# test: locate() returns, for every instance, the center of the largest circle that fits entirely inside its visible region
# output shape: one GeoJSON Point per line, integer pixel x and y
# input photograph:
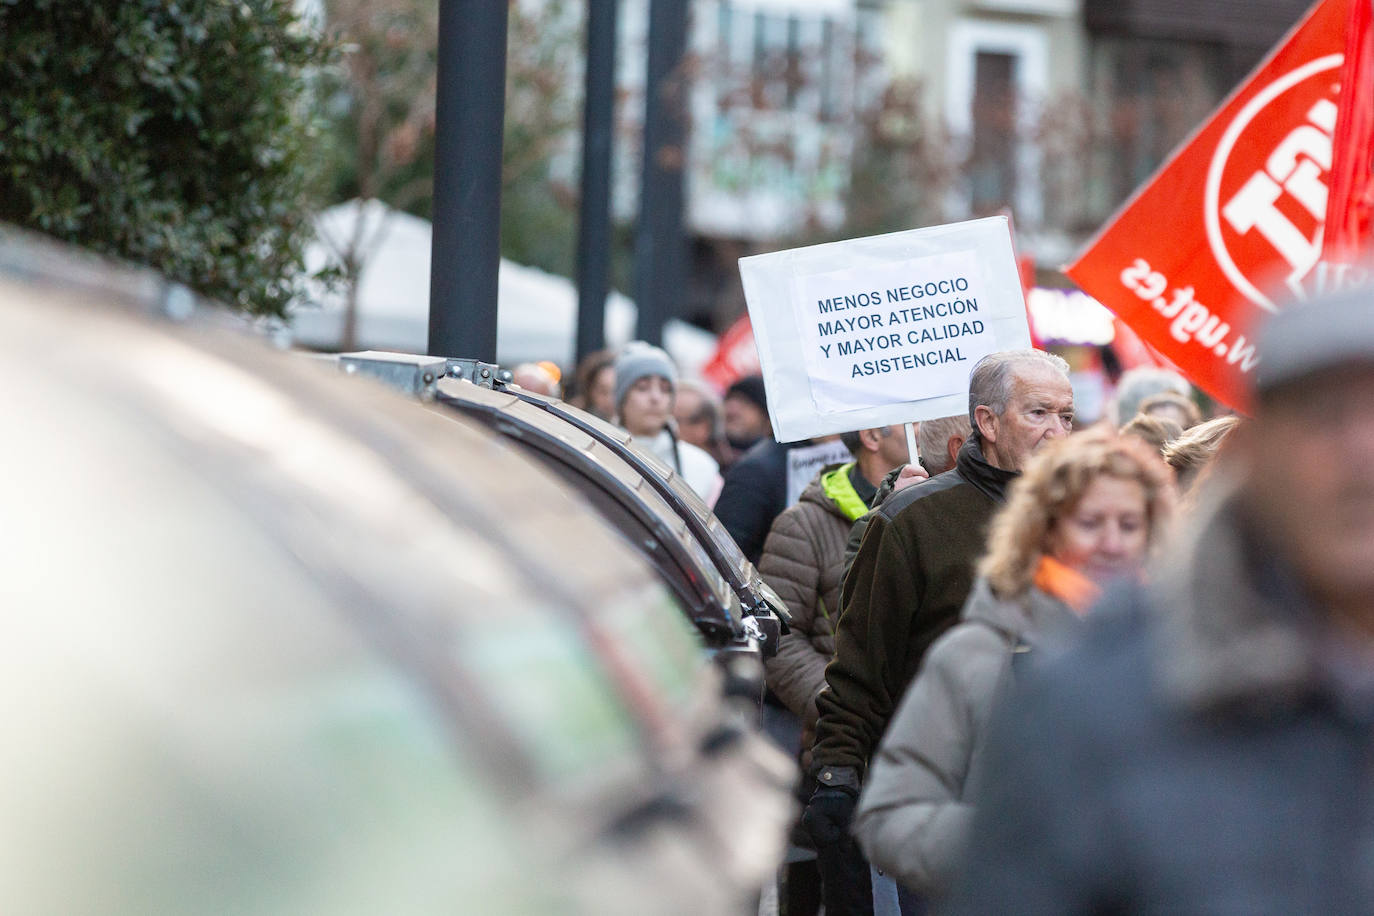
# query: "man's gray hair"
{"type": "Point", "coordinates": [933, 439]}
{"type": "Point", "coordinates": [992, 379]}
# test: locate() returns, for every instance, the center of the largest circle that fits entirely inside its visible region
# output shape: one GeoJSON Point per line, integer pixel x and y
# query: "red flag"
{"type": "Point", "coordinates": [1349, 206]}
{"type": "Point", "coordinates": [1025, 266]}
{"type": "Point", "coordinates": [1134, 352]}
{"type": "Point", "coordinates": [735, 356]}
{"type": "Point", "coordinates": [1232, 223]}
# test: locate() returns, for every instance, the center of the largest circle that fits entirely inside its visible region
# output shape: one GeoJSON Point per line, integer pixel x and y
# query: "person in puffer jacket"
{"type": "Point", "coordinates": [1084, 512]}
{"type": "Point", "coordinates": [803, 560]}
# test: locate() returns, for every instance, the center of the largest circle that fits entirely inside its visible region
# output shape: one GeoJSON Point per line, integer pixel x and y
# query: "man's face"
{"type": "Point", "coordinates": [1311, 480]}
{"type": "Point", "coordinates": [745, 421]}
{"type": "Point", "coordinates": [892, 446]}
{"type": "Point", "coordinates": [647, 406]}
{"type": "Point", "coordinates": [696, 431]}
{"type": "Point", "coordinates": [1039, 411]}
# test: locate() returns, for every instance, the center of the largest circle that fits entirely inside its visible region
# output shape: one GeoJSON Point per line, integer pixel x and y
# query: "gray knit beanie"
{"type": "Point", "coordinates": [637, 360]}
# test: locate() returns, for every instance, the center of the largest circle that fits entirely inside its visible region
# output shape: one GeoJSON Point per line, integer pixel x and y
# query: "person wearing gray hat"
{"type": "Point", "coordinates": [645, 388]}
{"type": "Point", "coordinates": [1206, 745]}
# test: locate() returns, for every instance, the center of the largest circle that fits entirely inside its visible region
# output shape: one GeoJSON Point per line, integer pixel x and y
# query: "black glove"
{"type": "Point", "coordinates": [828, 813]}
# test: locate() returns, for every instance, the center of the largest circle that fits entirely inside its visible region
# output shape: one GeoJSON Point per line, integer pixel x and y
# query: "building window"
{"type": "Point", "coordinates": [998, 80]}
{"type": "Point", "coordinates": [1149, 95]}
{"type": "Point", "coordinates": [992, 152]}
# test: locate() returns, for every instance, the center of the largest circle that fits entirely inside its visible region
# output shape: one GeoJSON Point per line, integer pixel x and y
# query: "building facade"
{"type": "Point", "coordinates": [821, 119]}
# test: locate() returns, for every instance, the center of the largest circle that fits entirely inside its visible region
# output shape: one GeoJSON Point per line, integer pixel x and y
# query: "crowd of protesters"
{"type": "Point", "coordinates": [1123, 668]}
{"type": "Point", "coordinates": [1126, 668]}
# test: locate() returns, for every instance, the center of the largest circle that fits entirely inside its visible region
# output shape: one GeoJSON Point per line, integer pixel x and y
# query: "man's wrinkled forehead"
{"type": "Point", "coordinates": [1042, 385]}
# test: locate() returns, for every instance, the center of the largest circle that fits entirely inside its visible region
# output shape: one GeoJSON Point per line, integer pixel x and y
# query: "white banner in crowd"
{"type": "Point", "coordinates": [884, 329]}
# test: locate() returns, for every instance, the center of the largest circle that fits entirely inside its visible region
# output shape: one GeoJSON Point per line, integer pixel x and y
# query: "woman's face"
{"type": "Point", "coordinates": [601, 393]}
{"type": "Point", "coordinates": [647, 406]}
{"type": "Point", "coordinates": [1105, 536]}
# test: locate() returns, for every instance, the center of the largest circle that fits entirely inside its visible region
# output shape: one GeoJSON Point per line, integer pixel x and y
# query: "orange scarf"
{"type": "Point", "coordinates": [1067, 584]}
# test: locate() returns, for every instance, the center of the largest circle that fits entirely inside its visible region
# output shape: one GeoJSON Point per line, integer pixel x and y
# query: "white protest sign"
{"type": "Point", "coordinates": [805, 462]}
{"type": "Point", "coordinates": [885, 329]}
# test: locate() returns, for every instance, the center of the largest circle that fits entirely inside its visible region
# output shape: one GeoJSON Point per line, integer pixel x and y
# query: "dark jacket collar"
{"type": "Point", "coordinates": [865, 490]}
{"type": "Point", "coordinates": [974, 468]}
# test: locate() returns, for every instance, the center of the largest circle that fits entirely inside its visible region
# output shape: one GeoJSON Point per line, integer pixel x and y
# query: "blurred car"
{"type": "Point", "coordinates": [630, 486]}
{"type": "Point", "coordinates": [279, 642]}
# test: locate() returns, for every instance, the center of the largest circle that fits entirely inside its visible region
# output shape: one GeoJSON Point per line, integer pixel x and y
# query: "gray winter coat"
{"type": "Point", "coordinates": [1198, 752]}
{"type": "Point", "coordinates": [914, 814]}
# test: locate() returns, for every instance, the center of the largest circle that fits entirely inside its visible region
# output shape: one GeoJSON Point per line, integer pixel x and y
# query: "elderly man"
{"type": "Point", "coordinates": [913, 571]}
{"type": "Point", "coordinates": [1206, 749]}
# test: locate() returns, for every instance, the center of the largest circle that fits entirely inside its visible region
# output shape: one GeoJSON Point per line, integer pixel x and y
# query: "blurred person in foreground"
{"type": "Point", "coordinates": [1177, 407]}
{"type": "Point", "coordinates": [1084, 513]}
{"type": "Point", "coordinates": [645, 385]}
{"type": "Point", "coordinates": [594, 385]}
{"type": "Point", "coordinates": [910, 578]}
{"type": "Point", "coordinates": [1205, 748]}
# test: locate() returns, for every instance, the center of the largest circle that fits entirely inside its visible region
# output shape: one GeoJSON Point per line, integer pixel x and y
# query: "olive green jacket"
{"type": "Point", "coordinates": [909, 580]}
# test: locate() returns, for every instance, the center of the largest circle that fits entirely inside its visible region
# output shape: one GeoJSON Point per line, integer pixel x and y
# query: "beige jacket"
{"type": "Point", "coordinates": [913, 818]}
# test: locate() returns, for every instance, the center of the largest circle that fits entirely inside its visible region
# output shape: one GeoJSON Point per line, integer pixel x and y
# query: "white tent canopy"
{"type": "Point", "coordinates": [537, 311]}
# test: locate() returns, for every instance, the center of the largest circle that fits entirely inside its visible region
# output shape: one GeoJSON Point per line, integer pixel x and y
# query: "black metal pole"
{"type": "Point", "coordinates": [594, 221]}
{"type": "Point", "coordinates": [660, 243]}
{"type": "Point", "coordinates": [469, 117]}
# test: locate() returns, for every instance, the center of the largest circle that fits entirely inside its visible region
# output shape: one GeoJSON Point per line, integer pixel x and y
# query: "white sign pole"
{"type": "Point", "coordinates": [912, 456]}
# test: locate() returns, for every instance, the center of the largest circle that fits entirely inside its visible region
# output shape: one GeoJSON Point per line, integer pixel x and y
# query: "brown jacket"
{"type": "Point", "coordinates": [803, 560]}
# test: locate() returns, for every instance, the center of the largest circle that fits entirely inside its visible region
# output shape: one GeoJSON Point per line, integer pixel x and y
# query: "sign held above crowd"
{"type": "Point", "coordinates": [880, 330]}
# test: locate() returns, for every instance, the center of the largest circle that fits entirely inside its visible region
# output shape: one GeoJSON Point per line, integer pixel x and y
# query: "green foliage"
{"type": "Point", "coordinates": [172, 133]}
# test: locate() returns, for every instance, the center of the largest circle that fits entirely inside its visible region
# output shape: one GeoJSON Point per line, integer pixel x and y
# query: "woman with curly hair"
{"type": "Point", "coordinates": [1087, 510]}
